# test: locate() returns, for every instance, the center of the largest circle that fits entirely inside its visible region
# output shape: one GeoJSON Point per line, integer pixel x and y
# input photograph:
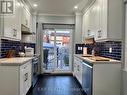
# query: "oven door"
{"type": "Point", "coordinates": [34, 72]}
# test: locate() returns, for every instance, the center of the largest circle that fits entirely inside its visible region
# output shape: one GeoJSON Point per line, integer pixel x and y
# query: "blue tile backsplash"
{"type": "Point", "coordinates": [102, 49]}
{"type": "Point", "coordinates": [13, 45]}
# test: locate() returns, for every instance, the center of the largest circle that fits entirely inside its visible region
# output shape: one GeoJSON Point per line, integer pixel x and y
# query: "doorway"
{"type": "Point", "coordinates": [57, 50]}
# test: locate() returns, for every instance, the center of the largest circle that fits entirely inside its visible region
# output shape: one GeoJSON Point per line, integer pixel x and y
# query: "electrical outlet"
{"type": "Point", "coordinates": [110, 50]}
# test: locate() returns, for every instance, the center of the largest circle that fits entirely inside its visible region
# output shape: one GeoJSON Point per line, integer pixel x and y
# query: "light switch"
{"type": "Point", "coordinates": [110, 50]}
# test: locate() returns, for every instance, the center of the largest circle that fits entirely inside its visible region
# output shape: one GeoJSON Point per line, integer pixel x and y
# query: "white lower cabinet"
{"type": "Point", "coordinates": [78, 69]}
{"type": "Point", "coordinates": [15, 80]}
{"type": "Point", "coordinates": [25, 78]}
{"type": "Point", "coordinates": [98, 78]}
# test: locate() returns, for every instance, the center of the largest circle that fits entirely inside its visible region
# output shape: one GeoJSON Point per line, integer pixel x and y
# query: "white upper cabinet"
{"type": "Point", "coordinates": [12, 23]}
{"type": "Point", "coordinates": [103, 20]}
{"type": "Point", "coordinates": [89, 22]}
{"type": "Point", "coordinates": [30, 38]}
{"type": "Point", "coordinates": [26, 18]}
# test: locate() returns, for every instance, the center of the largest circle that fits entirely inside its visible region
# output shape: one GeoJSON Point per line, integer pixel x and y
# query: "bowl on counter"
{"type": "Point", "coordinates": [21, 54]}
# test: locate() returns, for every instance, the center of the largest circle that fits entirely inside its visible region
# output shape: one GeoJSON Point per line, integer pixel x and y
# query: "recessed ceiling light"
{"type": "Point", "coordinates": [35, 5]}
{"type": "Point", "coordinates": [76, 7]}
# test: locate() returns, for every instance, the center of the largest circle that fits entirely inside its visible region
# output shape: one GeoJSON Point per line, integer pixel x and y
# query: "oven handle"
{"type": "Point", "coordinates": [35, 62]}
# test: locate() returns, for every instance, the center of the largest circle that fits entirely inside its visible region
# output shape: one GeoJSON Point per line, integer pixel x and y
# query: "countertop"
{"type": "Point", "coordinates": [88, 59]}
{"type": "Point", "coordinates": [17, 61]}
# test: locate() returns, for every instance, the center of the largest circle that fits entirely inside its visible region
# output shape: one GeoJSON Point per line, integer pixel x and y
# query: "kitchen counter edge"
{"type": "Point", "coordinates": [86, 59]}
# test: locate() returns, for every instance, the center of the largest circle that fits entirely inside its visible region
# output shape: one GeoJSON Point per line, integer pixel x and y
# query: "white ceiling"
{"type": "Point", "coordinates": [57, 7]}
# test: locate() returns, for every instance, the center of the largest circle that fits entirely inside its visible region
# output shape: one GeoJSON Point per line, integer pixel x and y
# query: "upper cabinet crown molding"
{"type": "Point", "coordinates": [27, 4]}
{"type": "Point", "coordinates": [125, 1]}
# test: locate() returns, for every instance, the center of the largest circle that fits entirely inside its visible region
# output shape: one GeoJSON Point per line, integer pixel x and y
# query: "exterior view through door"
{"type": "Point", "coordinates": [56, 48]}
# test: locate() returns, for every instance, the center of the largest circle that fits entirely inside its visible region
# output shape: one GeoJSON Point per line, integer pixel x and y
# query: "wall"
{"type": "Point", "coordinates": [56, 19]}
{"type": "Point", "coordinates": [13, 45]}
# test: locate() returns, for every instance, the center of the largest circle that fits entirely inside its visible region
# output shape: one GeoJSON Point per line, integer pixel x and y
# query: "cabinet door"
{"type": "Point", "coordinates": [12, 23]}
{"type": "Point", "coordinates": [31, 23]}
{"type": "Point", "coordinates": [75, 67]}
{"type": "Point", "coordinates": [78, 70]}
{"type": "Point", "coordinates": [29, 75]}
{"type": "Point", "coordinates": [25, 78]}
{"type": "Point", "coordinates": [102, 15]}
{"type": "Point", "coordinates": [86, 24]}
{"type": "Point", "coordinates": [89, 22]}
{"type": "Point", "coordinates": [1, 25]}
{"type": "Point", "coordinates": [34, 24]}
{"type": "Point", "coordinates": [98, 26]}
{"type": "Point", "coordinates": [23, 18]}
{"type": "Point", "coordinates": [22, 81]}
{"type": "Point", "coordinates": [26, 17]}
{"type": "Point", "coordinates": [92, 21]}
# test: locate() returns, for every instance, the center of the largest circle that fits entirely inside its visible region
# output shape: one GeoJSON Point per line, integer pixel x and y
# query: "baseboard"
{"type": "Point", "coordinates": [57, 74]}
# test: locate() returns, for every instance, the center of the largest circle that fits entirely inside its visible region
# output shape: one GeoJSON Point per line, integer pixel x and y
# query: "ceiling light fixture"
{"type": "Point", "coordinates": [35, 5]}
{"type": "Point", "coordinates": [76, 7]}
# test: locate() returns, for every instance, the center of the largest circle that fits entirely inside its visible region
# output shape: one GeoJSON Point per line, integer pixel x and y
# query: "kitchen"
{"type": "Point", "coordinates": [50, 45]}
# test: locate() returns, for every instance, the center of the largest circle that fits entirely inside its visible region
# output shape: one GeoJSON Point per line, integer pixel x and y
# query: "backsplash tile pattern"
{"type": "Point", "coordinates": [13, 45]}
{"type": "Point", "coordinates": [116, 49]}
{"type": "Point", "coordinates": [102, 49]}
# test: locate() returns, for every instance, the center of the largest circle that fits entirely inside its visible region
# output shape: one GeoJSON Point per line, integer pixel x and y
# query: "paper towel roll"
{"type": "Point", "coordinates": [84, 50]}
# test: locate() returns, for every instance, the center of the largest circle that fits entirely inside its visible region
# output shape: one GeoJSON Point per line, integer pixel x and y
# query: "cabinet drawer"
{"type": "Point", "coordinates": [77, 59]}
{"type": "Point", "coordinates": [26, 65]}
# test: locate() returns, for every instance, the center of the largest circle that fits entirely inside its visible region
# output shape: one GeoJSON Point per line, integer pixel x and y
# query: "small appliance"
{"type": "Point", "coordinates": [78, 48]}
{"type": "Point", "coordinates": [29, 52]}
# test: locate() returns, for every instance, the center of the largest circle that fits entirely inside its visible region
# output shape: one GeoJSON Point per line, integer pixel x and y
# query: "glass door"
{"type": "Point", "coordinates": [49, 50]}
{"type": "Point", "coordinates": [56, 50]}
{"type": "Point", "coordinates": [62, 44]}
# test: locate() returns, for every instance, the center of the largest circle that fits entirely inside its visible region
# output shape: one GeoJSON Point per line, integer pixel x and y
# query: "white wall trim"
{"type": "Point", "coordinates": [55, 14]}
{"type": "Point", "coordinates": [84, 10]}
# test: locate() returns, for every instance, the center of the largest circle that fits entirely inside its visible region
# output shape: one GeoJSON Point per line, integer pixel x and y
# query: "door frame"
{"type": "Point", "coordinates": [70, 55]}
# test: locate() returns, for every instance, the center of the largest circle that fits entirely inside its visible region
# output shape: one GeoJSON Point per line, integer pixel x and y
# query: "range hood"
{"type": "Point", "coordinates": [25, 30]}
{"type": "Point", "coordinates": [89, 41]}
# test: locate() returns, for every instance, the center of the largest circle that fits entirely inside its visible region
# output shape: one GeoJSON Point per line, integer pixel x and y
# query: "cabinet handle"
{"type": "Point", "coordinates": [26, 22]}
{"type": "Point", "coordinates": [25, 67]}
{"type": "Point", "coordinates": [88, 33]}
{"type": "Point", "coordinates": [25, 77]}
{"type": "Point", "coordinates": [99, 34]}
{"type": "Point", "coordinates": [78, 68]}
{"type": "Point", "coordinates": [15, 32]}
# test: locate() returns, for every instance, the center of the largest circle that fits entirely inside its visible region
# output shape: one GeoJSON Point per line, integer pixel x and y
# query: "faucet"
{"type": "Point", "coordinates": [93, 52]}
